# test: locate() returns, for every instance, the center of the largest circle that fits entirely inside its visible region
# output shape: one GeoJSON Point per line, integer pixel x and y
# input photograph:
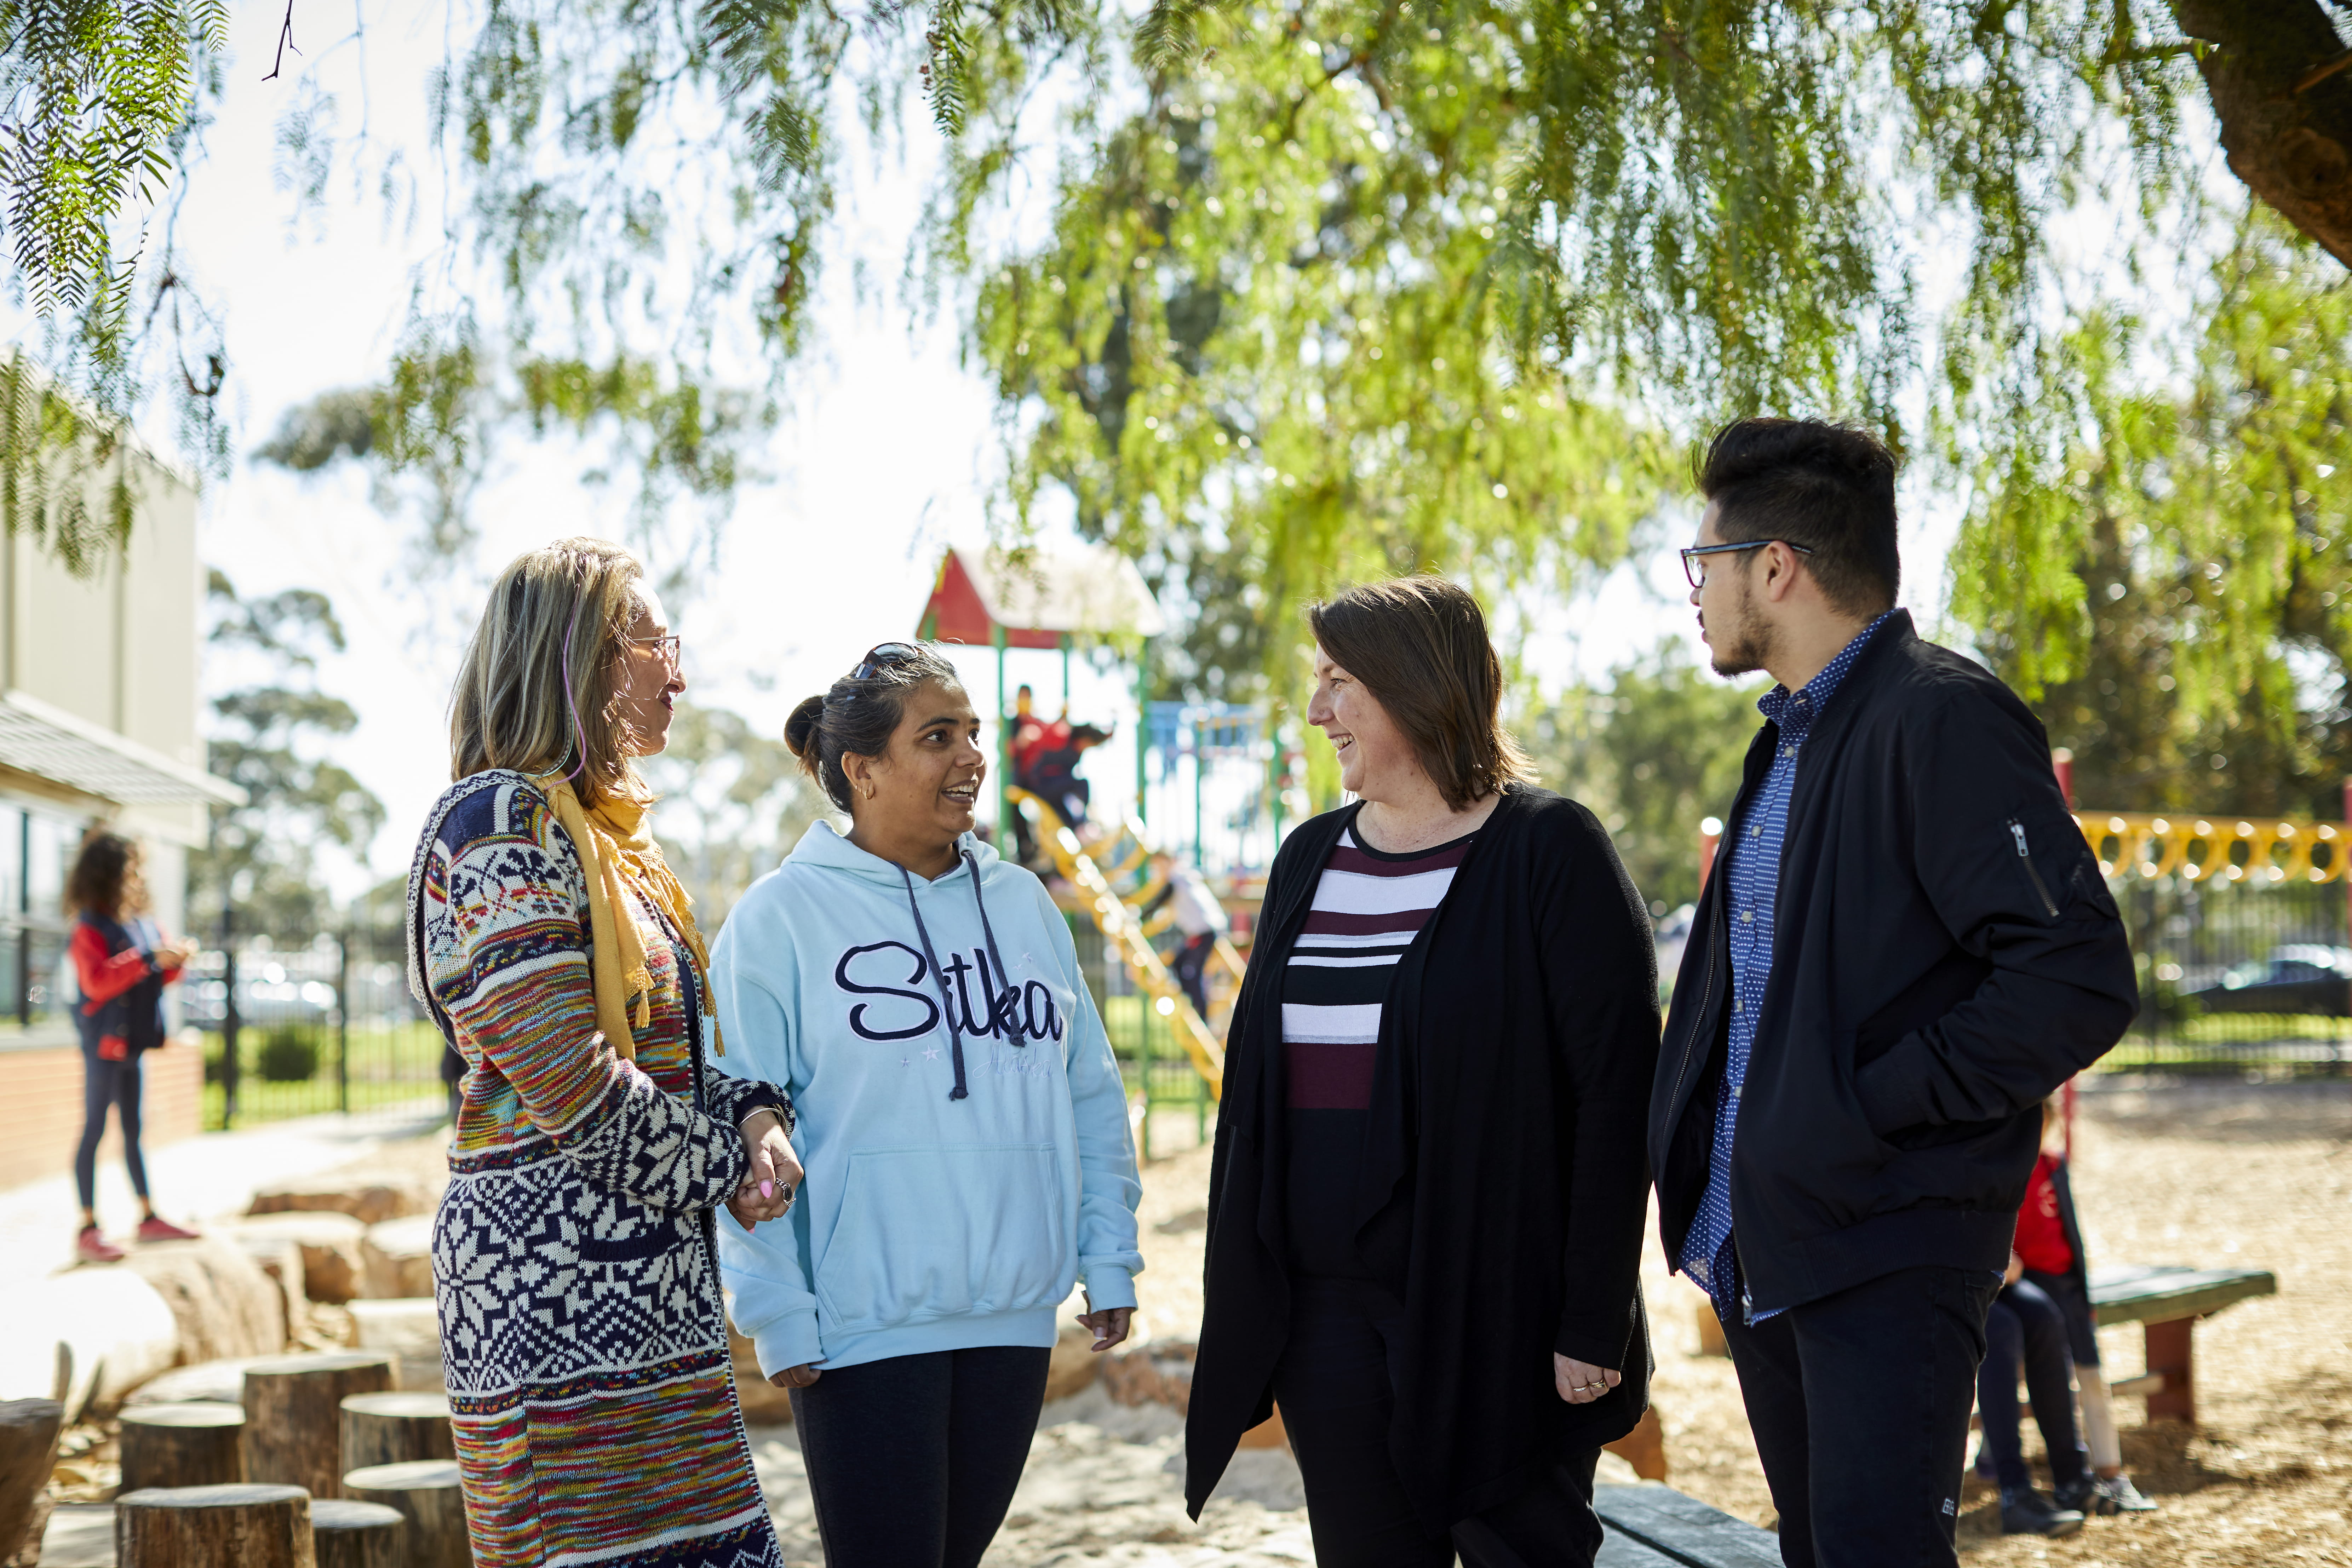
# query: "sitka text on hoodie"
{"type": "Point", "coordinates": [962, 1121]}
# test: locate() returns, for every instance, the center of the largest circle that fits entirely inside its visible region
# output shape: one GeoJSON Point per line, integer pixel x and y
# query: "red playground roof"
{"type": "Point", "coordinates": [1039, 595]}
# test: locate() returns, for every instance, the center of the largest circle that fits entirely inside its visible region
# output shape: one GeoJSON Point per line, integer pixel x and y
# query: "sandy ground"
{"type": "Point", "coordinates": [2239, 1174]}
{"type": "Point", "coordinates": [2254, 1174]}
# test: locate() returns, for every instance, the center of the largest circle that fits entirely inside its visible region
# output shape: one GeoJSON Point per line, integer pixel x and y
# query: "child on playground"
{"type": "Point", "coordinates": [2050, 1247]}
{"type": "Point", "coordinates": [2043, 1318]}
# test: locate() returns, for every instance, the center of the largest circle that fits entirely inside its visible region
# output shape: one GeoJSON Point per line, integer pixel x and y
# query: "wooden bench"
{"type": "Point", "coordinates": [2167, 1302]}
{"type": "Point", "coordinates": [1658, 1527]}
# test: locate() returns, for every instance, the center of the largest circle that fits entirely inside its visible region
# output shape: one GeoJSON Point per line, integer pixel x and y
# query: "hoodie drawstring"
{"type": "Point", "coordinates": [947, 1003]}
{"type": "Point", "coordinates": [940, 975]}
{"type": "Point", "coordinates": [996, 1001]}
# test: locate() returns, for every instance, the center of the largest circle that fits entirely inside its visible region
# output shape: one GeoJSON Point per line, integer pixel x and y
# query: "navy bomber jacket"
{"type": "Point", "coordinates": [1945, 953]}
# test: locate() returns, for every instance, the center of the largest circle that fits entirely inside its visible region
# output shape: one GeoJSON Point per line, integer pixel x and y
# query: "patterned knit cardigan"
{"type": "Point", "coordinates": [573, 1258]}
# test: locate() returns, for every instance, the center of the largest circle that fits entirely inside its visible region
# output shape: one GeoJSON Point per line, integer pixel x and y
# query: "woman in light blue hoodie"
{"type": "Point", "coordinates": [961, 1120]}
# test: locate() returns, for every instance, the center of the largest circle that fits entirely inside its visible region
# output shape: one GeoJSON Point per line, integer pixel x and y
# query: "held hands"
{"type": "Point", "coordinates": [771, 1181]}
{"type": "Point", "coordinates": [1110, 1325]}
{"type": "Point", "coordinates": [1580, 1382]}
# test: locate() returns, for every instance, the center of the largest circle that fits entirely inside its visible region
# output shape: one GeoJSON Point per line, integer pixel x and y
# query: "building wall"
{"type": "Point", "coordinates": [42, 1085]}
{"type": "Point", "coordinates": [121, 649]}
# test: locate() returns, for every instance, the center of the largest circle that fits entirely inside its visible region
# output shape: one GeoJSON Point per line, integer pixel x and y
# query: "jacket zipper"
{"type": "Point", "coordinates": [2017, 831]}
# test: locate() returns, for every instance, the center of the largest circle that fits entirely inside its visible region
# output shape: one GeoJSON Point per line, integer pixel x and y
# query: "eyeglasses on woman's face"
{"type": "Point", "coordinates": [666, 648]}
{"type": "Point", "coordinates": [1694, 562]}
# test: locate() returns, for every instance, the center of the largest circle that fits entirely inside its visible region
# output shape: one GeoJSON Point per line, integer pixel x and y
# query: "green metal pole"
{"type": "Point", "coordinates": [1142, 723]}
{"type": "Point", "coordinates": [1274, 781]}
{"type": "Point", "coordinates": [1066, 673]}
{"type": "Point", "coordinates": [1197, 768]}
{"type": "Point", "coordinates": [1003, 750]}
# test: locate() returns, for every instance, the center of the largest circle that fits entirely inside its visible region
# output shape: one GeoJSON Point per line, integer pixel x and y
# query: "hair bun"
{"type": "Point", "coordinates": [800, 730]}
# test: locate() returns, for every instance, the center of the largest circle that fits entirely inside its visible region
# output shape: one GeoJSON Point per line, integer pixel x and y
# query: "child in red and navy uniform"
{"type": "Point", "coordinates": [2050, 1250]}
{"type": "Point", "coordinates": [121, 964]}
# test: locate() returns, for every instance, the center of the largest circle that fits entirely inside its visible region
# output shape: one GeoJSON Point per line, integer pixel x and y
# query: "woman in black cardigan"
{"type": "Point", "coordinates": [1427, 1203]}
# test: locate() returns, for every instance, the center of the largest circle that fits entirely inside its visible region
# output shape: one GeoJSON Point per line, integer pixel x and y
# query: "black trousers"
{"type": "Point", "coordinates": [1191, 970]}
{"type": "Point", "coordinates": [912, 1460]}
{"type": "Point", "coordinates": [2025, 1325]}
{"type": "Point", "coordinates": [1336, 1385]}
{"type": "Point", "coordinates": [1859, 1402]}
{"type": "Point", "coordinates": [105, 1083]}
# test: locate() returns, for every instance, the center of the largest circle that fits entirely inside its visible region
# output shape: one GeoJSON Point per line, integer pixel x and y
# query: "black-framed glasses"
{"type": "Point", "coordinates": [1697, 573]}
{"type": "Point", "coordinates": [885, 656]}
{"type": "Point", "coordinates": [668, 649]}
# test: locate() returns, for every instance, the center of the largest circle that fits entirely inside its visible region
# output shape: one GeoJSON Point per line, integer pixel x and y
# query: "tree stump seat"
{"type": "Point", "coordinates": [348, 1534]}
{"type": "Point", "coordinates": [198, 1444]}
{"type": "Point", "coordinates": [243, 1526]}
{"type": "Point", "coordinates": [29, 1447]}
{"type": "Point", "coordinates": [425, 1493]}
{"type": "Point", "coordinates": [294, 1415]}
{"type": "Point", "coordinates": [395, 1428]}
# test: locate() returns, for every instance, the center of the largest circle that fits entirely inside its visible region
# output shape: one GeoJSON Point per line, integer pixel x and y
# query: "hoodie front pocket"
{"type": "Point", "coordinates": [939, 1233]}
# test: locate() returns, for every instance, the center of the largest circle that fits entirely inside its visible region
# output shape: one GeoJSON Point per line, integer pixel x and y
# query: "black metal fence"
{"type": "Point", "coordinates": [2237, 977]}
{"type": "Point", "coordinates": [305, 1023]}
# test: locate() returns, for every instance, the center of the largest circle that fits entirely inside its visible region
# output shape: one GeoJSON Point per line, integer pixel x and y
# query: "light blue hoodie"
{"type": "Point", "coordinates": [926, 1222]}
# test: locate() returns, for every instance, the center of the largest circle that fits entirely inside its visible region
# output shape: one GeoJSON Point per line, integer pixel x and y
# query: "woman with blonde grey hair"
{"type": "Point", "coordinates": [572, 1259]}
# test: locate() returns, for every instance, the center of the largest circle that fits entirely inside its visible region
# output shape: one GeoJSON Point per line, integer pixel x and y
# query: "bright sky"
{"type": "Point", "coordinates": [883, 461]}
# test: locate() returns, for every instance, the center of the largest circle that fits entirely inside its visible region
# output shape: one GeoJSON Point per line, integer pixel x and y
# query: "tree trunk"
{"type": "Point", "coordinates": [214, 1527]}
{"type": "Point", "coordinates": [425, 1493]}
{"type": "Point", "coordinates": [294, 1415]}
{"type": "Point", "coordinates": [393, 1429]}
{"type": "Point", "coordinates": [2293, 149]}
{"type": "Point", "coordinates": [182, 1445]}
{"type": "Point", "coordinates": [347, 1534]}
{"type": "Point", "coordinates": [28, 1446]}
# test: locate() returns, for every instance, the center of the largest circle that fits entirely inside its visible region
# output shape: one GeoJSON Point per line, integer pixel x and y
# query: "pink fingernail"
{"type": "Point", "coordinates": [767, 1189]}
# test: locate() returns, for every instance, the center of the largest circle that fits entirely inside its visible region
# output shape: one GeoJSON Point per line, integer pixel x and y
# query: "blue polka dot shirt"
{"type": "Point", "coordinates": [1751, 862]}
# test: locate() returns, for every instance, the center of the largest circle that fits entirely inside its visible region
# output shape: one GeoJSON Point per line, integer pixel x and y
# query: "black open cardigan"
{"type": "Point", "coordinates": [1510, 1089]}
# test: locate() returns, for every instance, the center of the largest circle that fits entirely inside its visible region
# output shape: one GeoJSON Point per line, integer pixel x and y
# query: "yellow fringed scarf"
{"type": "Point", "coordinates": [619, 856]}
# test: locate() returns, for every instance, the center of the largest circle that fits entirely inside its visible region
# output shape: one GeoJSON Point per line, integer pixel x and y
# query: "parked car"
{"type": "Point", "coordinates": [2302, 977]}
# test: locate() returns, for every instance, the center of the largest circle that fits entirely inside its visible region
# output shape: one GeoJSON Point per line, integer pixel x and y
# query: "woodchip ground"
{"type": "Point", "coordinates": [2259, 1175]}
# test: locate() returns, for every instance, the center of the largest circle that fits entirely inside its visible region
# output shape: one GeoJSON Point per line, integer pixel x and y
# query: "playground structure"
{"type": "Point", "coordinates": [1216, 775]}
{"type": "Point", "coordinates": [1103, 879]}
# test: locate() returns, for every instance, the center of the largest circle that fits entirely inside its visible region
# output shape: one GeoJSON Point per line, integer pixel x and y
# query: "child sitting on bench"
{"type": "Point", "coordinates": [2025, 1325]}
{"type": "Point", "coordinates": [2050, 1247]}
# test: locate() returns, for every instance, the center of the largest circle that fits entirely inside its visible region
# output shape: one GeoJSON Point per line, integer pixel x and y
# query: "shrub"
{"type": "Point", "coordinates": [288, 1055]}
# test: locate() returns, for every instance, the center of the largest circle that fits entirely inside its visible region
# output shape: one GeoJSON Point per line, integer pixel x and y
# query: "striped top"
{"type": "Point", "coordinates": [1368, 908]}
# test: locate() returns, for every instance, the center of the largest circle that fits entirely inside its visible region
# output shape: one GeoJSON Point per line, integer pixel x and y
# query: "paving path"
{"type": "Point", "coordinates": [212, 1176]}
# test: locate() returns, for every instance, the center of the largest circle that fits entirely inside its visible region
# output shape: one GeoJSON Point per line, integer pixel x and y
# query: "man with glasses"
{"type": "Point", "coordinates": [1906, 944]}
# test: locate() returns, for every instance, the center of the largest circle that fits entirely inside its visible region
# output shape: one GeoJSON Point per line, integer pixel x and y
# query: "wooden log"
{"type": "Point", "coordinates": [348, 1534]}
{"type": "Point", "coordinates": [294, 1415]}
{"type": "Point", "coordinates": [193, 1445]}
{"type": "Point", "coordinates": [214, 1527]}
{"type": "Point", "coordinates": [29, 1447]}
{"type": "Point", "coordinates": [1644, 1448]}
{"type": "Point", "coordinates": [395, 1428]}
{"type": "Point", "coordinates": [425, 1493]}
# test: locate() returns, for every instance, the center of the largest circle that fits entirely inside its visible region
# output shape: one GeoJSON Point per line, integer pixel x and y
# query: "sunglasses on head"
{"type": "Point", "coordinates": [885, 656]}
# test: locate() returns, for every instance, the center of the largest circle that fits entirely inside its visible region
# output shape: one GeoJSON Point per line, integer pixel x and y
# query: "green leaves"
{"type": "Point", "coordinates": [97, 94]}
{"type": "Point", "coordinates": [1263, 347]}
{"type": "Point", "coordinates": [2173, 582]}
